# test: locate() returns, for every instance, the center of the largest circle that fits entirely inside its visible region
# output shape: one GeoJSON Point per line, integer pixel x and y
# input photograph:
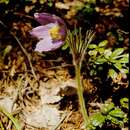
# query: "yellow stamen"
{"type": "Point", "coordinates": [55, 33]}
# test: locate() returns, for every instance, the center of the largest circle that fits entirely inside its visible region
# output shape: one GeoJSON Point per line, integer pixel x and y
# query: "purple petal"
{"type": "Point", "coordinates": [49, 39]}
{"type": "Point", "coordinates": [45, 18]}
{"type": "Point", "coordinates": [41, 31]}
{"type": "Point", "coordinates": [44, 45]}
{"type": "Point", "coordinates": [57, 44]}
{"type": "Point", "coordinates": [47, 44]}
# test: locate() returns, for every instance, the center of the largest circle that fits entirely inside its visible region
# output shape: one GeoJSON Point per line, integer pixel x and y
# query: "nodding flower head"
{"type": "Point", "coordinates": [51, 33]}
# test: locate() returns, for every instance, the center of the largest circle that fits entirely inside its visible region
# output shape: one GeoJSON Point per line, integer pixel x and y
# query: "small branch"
{"type": "Point", "coordinates": [58, 67]}
{"type": "Point", "coordinates": [22, 48]}
{"type": "Point", "coordinates": [26, 54]}
{"type": "Point", "coordinates": [23, 15]}
{"type": "Point", "coordinates": [64, 118]}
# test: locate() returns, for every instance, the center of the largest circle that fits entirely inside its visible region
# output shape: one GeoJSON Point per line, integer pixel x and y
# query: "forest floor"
{"type": "Point", "coordinates": [38, 90]}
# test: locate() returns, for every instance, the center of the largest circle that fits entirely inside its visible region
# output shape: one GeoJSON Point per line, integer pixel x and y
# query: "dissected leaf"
{"type": "Point", "coordinates": [118, 113]}
{"type": "Point", "coordinates": [107, 53]}
{"type": "Point", "coordinates": [115, 120]}
{"type": "Point", "coordinates": [120, 37]}
{"type": "Point", "coordinates": [112, 73]}
{"type": "Point", "coordinates": [88, 9]}
{"type": "Point", "coordinates": [92, 46]}
{"type": "Point", "coordinates": [65, 46]}
{"type": "Point", "coordinates": [118, 65]}
{"type": "Point", "coordinates": [100, 60]}
{"type": "Point", "coordinates": [93, 72]}
{"type": "Point", "coordinates": [124, 59]}
{"type": "Point", "coordinates": [101, 50]}
{"type": "Point", "coordinates": [92, 53]}
{"type": "Point", "coordinates": [116, 53]}
{"type": "Point", "coordinates": [106, 108]}
{"type": "Point", "coordinates": [103, 43]}
{"type": "Point", "coordinates": [7, 50]}
{"type": "Point", "coordinates": [97, 119]}
{"type": "Point", "coordinates": [124, 102]}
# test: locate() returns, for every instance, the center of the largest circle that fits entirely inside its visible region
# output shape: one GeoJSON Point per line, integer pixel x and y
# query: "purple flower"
{"type": "Point", "coordinates": [51, 33]}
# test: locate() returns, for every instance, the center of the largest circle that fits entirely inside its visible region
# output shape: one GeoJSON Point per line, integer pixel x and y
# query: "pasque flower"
{"type": "Point", "coordinates": [51, 33]}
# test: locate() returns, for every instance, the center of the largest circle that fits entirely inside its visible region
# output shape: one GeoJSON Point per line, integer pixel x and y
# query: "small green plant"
{"type": "Point", "coordinates": [124, 102]}
{"type": "Point", "coordinates": [108, 113]}
{"type": "Point", "coordinates": [116, 59]}
{"type": "Point", "coordinates": [78, 45]}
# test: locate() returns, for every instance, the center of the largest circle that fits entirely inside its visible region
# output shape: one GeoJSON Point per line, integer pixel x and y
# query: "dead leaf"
{"type": "Point", "coordinates": [44, 117]}
{"type": "Point", "coordinates": [7, 103]}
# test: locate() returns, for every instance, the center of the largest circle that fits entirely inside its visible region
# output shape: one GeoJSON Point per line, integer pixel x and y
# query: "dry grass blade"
{"type": "Point", "coordinates": [15, 122]}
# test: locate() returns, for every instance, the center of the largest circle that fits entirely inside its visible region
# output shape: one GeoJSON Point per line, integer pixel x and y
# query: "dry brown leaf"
{"type": "Point", "coordinates": [7, 103]}
{"type": "Point", "coordinates": [43, 117]}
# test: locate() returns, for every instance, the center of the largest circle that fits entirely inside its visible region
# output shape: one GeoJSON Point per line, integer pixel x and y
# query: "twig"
{"type": "Point", "coordinates": [26, 54]}
{"type": "Point", "coordinates": [60, 66]}
{"type": "Point", "coordinates": [23, 15]}
{"type": "Point", "coordinates": [22, 48]}
{"type": "Point", "coordinates": [66, 116]}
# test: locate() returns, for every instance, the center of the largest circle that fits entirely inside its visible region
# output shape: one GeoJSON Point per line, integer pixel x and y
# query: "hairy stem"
{"type": "Point", "coordinates": [80, 93]}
